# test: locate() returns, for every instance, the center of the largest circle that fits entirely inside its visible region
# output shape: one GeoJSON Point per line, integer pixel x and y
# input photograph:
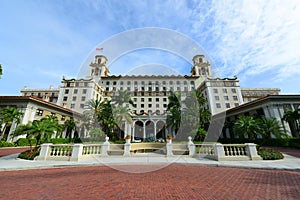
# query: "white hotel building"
{"type": "Point", "coordinates": [150, 93]}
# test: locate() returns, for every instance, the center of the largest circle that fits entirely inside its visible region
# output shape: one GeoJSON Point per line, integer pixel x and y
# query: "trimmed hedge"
{"type": "Point", "coordinates": [269, 154]}
{"type": "Point", "coordinates": [24, 141]}
{"type": "Point", "coordinates": [6, 144]}
{"type": "Point", "coordinates": [275, 142]}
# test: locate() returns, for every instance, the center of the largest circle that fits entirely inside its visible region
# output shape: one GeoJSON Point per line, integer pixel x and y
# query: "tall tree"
{"type": "Point", "coordinates": [292, 117]}
{"type": "Point", "coordinates": [246, 125]}
{"type": "Point", "coordinates": [70, 126]}
{"type": "Point", "coordinates": [121, 98]}
{"type": "Point", "coordinates": [269, 127]}
{"type": "Point", "coordinates": [24, 129]}
{"type": "Point", "coordinates": [8, 115]}
{"type": "Point", "coordinates": [42, 128]}
{"type": "Point", "coordinates": [196, 117]}
{"type": "Point", "coordinates": [174, 113]}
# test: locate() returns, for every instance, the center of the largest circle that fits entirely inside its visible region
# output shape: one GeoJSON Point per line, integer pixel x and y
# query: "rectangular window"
{"type": "Point", "coordinates": [134, 99]}
{"type": "Point", "coordinates": [85, 84]}
{"type": "Point", "coordinates": [63, 118]}
{"type": "Point", "coordinates": [236, 104]}
{"type": "Point", "coordinates": [67, 91]}
{"type": "Point", "coordinates": [157, 105]}
{"type": "Point", "coordinates": [227, 105]}
{"type": "Point", "coordinates": [142, 105]}
{"type": "Point", "coordinates": [164, 99]}
{"type": "Point", "coordinates": [217, 98]}
{"type": "Point", "coordinates": [65, 99]}
{"type": "Point", "coordinates": [149, 105]}
{"type": "Point", "coordinates": [84, 91]}
{"type": "Point", "coordinates": [75, 91]}
{"type": "Point", "coordinates": [150, 99]}
{"type": "Point", "coordinates": [235, 98]}
{"type": "Point", "coordinates": [150, 93]}
{"type": "Point", "coordinates": [157, 99]}
{"type": "Point", "coordinates": [224, 90]}
{"type": "Point", "coordinates": [142, 99]}
{"type": "Point", "coordinates": [143, 93]}
{"type": "Point", "coordinates": [74, 99]}
{"type": "Point", "coordinates": [165, 105]}
{"type": "Point", "coordinates": [226, 98]}
{"type": "Point", "coordinates": [82, 105]}
{"type": "Point", "coordinates": [218, 105]}
{"type": "Point", "coordinates": [178, 88]}
{"type": "Point", "coordinates": [215, 91]}
{"type": "Point", "coordinates": [233, 90]}
{"type": "Point", "coordinates": [72, 105]}
{"type": "Point", "coordinates": [82, 98]}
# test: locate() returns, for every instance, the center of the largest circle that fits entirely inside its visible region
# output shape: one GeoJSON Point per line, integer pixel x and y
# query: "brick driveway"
{"type": "Point", "coordinates": [12, 150]}
{"type": "Point", "coordinates": [172, 182]}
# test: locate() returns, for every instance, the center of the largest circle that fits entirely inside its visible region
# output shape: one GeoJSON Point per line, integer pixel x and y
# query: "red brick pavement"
{"type": "Point", "coordinates": [12, 150]}
{"type": "Point", "coordinates": [172, 182]}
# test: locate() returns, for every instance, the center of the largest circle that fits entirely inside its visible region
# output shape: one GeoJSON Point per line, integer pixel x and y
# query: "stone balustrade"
{"type": "Point", "coordinates": [76, 152]}
{"type": "Point", "coordinates": [225, 151]}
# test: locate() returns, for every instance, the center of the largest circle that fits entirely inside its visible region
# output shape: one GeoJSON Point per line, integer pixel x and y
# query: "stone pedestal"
{"type": "Point", "coordinates": [127, 148]}
{"type": "Point", "coordinates": [76, 152]}
{"type": "Point", "coordinates": [45, 151]}
{"type": "Point", "coordinates": [169, 148]}
{"type": "Point", "coordinates": [252, 152]}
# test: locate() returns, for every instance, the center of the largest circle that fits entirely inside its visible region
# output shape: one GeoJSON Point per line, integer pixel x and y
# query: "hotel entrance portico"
{"type": "Point", "coordinates": [148, 128]}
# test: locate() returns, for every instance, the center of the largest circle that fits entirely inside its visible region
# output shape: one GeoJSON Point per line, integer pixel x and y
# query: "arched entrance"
{"type": "Point", "coordinates": [160, 130]}
{"type": "Point", "coordinates": [138, 130]}
{"type": "Point", "coordinates": [150, 131]}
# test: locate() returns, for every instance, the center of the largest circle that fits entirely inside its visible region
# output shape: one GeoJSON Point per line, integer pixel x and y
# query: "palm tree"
{"type": "Point", "coordinates": [246, 125]}
{"type": "Point", "coordinates": [122, 114]}
{"type": "Point", "coordinates": [70, 126]}
{"type": "Point", "coordinates": [59, 128]}
{"type": "Point", "coordinates": [291, 118]}
{"type": "Point", "coordinates": [8, 115]}
{"type": "Point", "coordinates": [195, 117]}
{"type": "Point", "coordinates": [174, 113]}
{"type": "Point", "coordinates": [106, 119]}
{"type": "Point", "coordinates": [95, 107]}
{"type": "Point", "coordinates": [24, 129]}
{"type": "Point", "coordinates": [121, 98]}
{"type": "Point", "coordinates": [269, 126]}
{"type": "Point", "coordinates": [42, 128]}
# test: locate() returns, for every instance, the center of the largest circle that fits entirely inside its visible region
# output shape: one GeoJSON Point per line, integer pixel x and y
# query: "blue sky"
{"type": "Point", "coordinates": [40, 41]}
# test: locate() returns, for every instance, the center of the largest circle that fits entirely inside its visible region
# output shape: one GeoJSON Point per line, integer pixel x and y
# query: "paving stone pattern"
{"type": "Point", "coordinates": [173, 182]}
{"type": "Point", "coordinates": [7, 151]}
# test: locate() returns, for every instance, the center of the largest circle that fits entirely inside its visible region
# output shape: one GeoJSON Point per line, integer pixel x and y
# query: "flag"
{"type": "Point", "coordinates": [99, 49]}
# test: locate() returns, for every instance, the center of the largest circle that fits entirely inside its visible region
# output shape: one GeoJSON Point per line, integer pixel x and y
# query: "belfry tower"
{"type": "Point", "coordinates": [201, 66]}
{"type": "Point", "coordinates": [98, 68]}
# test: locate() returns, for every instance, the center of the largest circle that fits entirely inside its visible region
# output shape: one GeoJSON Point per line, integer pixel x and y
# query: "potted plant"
{"type": "Point", "coordinates": [169, 138]}
{"type": "Point", "coordinates": [127, 138]}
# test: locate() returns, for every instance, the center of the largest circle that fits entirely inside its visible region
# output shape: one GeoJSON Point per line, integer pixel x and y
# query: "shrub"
{"type": "Point", "coordinates": [269, 154]}
{"type": "Point", "coordinates": [294, 142]}
{"type": "Point", "coordinates": [6, 144]}
{"type": "Point", "coordinates": [25, 142]}
{"type": "Point", "coordinates": [29, 155]}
